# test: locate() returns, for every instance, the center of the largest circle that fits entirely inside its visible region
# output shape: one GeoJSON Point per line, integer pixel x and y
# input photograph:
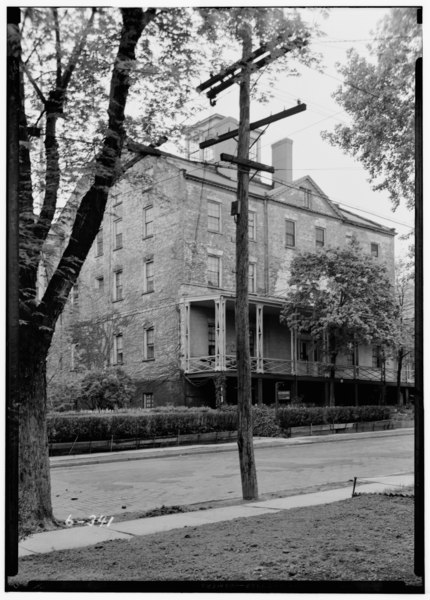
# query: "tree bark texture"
{"type": "Point", "coordinates": [244, 399]}
{"type": "Point", "coordinates": [38, 321]}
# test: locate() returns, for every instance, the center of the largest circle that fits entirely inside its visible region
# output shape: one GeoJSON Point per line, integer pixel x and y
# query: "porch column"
{"type": "Point", "coordinates": [185, 354]}
{"type": "Point", "coordinates": [293, 351]}
{"type": "Point", "coordinates": [220, 334]}
{"type": "Point", "coordinates": [259, 334]}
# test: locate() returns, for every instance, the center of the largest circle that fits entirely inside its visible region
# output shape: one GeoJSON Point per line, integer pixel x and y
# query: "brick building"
{"type": "Point", "coordinates": [156, 293]}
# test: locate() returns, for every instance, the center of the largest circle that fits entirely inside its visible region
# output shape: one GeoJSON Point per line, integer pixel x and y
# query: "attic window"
{"type": "Point", "coordinates": [306, 197]}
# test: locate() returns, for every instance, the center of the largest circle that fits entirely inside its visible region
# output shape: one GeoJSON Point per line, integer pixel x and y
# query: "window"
{"type": "Point", "coordinates": [99, 243]}
{"type": "Point", "coordinates": [211, 338]}
{"type": "Point", "coordinates": [208, 154]}
{"type": "Point", "coordinates": [214, 216]}
{"type": "Point", "coordinates": [117, 232]}
{"type": "Point", "coordinates": [252, 222]}
{"type": "Point", "coordinates": [214, 270]}
{"type": "Point", "coordinates": [290, 233]}
{"type": "Point", "coordinates": [148, 221]}
{"type": "Point", "coordinates": [351, 357]}
{"type": "Point", "coordinates": [148, 400]}
{"type": "Point", "coordinates": [148, 267]}
{"type": "Point", "coordinates": [118, 357]}
{"type": "Point", "coordinates": [306, 197]}
{"type": "Point", "coordinates": [376, 357]}
{"type": "Point", "coordinates": [319, 237]}
{"type": "Point", "coordinates": [253, 151]}
{"type": "Point", "coordinates": [100, 283]}
{"type": "Point", "coordinates": [252, 277]}
{"type": "Point", "coordinates": [148, 343]}
{"type": "Point", "coordinates": [193, 149]}
{"type": "Point", "coordinates": [117, 286]}
{"type": "Point", "coordinates": [374, 249]}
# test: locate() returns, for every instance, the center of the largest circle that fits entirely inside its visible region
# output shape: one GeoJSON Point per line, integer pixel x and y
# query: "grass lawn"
{"type": "Point", "coordinates": [368, 538]}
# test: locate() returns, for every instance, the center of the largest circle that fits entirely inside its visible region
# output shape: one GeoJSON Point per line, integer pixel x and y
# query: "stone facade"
{"type": "Point", "coordinates": [157, 288]}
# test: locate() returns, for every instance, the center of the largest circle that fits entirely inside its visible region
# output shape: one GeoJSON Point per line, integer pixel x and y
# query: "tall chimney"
{"type": "Point", "coordinates": [282, 161]}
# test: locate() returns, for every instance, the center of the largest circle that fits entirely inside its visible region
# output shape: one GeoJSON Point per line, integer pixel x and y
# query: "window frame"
{"type": "Point", "coordinates": [148, 224]}
{"type": "Point", "coordinates": [374, 246]}
{"type": "Point", "coordinates": [214, 257]}
{"type": "Point", "coordinates": [307, 197]}
{"type": "Point", "coordinates": [148, 280]}
{"type": "Point", "coordinates": [148, 396]}
{"type": "Point", "coordinates": [118, 349]}
{"type": "Point", "coordinates": [252, 225]}
{"type": "Point", "coordinates": [118, 235]}
{"type": "Point", "coordinates": [252, 266]}
{"type": "Point", "coordinates": [218, 204]}
{"type": "Point", "coordinates": [319, 243]}
{"type": "Point", "coordinates": [118, 279]}
{"type": "Point", "coordinates": [149, 335]}
{"type": "Point", "coordinates": [289, 234]}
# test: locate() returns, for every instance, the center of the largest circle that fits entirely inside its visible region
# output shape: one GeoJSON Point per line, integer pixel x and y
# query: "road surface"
{"type": "Point", "coordinates": [139, 485]}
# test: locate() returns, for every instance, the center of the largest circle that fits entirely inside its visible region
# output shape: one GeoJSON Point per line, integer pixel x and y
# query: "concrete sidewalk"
{"type": "Point", "coordinates": [77, 537]}
{"type": "Point", "coordinates": [262, 442]}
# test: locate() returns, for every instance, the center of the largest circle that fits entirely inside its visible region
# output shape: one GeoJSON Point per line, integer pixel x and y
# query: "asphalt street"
{"type": "Point", "coordinates": [112, 488]}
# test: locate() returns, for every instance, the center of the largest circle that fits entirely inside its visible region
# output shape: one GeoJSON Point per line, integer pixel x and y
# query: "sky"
{"type": "Point", "coordinates": [338, 175]}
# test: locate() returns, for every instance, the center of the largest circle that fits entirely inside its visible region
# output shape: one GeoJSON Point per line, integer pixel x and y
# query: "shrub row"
{"type": "Point", "coordinates": [297, 416]}
{"type": "Point", "coordinates": [97, 426]}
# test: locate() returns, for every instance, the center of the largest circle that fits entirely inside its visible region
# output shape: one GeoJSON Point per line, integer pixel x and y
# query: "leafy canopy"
{"type": "Point", "coordinates": [379, 95]}
{"type": "Point", "coordinates": [343, 294]}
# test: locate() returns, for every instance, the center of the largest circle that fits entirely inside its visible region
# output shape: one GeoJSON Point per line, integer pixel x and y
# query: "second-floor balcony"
{"type": "Point", "coordinates": [209, 346]}
{"type": "Point", "coordinates": [280, 366]}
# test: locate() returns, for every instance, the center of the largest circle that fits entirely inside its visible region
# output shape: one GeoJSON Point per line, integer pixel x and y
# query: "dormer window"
{"type": "Point", "coordinates": [193, 149]}
{"type": "Point", "coordinates": [306, 197]}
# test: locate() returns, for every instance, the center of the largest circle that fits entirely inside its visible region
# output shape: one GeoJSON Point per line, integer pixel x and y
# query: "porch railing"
{"type": "Point", "coordinates": [281, 366]}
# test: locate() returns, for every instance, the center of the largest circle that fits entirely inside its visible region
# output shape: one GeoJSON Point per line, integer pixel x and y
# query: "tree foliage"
{"type": "Point", "coordinates": [105, 389]}
{"type": "Point", "coordinates": [343, 296]}
{"type": "Point", "coordinates": [379, 95]}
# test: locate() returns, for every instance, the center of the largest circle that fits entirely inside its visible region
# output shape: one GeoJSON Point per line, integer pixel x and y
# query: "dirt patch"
{"type": "Point", "coordinates": [366, 538]}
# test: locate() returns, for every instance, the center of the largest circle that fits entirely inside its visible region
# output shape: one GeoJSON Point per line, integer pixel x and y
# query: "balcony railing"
{"type": "Point", "coordinates": [281, 366]}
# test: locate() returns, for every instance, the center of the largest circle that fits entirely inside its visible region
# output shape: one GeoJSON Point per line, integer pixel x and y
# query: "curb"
{"type": "Point", "coordinates": [127, 455]}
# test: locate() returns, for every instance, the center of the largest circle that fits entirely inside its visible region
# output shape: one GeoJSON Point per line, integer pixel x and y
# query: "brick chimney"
{"type": "Point", "coordinates": [282, 160]}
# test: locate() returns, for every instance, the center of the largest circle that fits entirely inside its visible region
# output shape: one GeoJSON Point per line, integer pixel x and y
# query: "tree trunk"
{"type": "Point", "coordinates": [35, 507]}
{"type": "Point", "coordinates": [244, 431]}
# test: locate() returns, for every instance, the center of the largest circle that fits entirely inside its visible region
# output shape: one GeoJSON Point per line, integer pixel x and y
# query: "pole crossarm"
{"type": "Point", "coordinates": [232, 74]}
{"type": "Point", "coordinates": [266, 121]}
{"type": "Point", "coordinates": [248, 164]}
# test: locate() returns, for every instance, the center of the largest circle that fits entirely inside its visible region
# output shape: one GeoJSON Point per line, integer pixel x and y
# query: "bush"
{"type": "Point", "coordinates": [296, 417]}
{"type": "Point", "coordinates": [143, 425]}
{"type": "Point", "coordinates": [149, 424]}
{"type": "Point", "coordinates": [107, 388]}
{"type": "Point", "coordinates": [264, 422]}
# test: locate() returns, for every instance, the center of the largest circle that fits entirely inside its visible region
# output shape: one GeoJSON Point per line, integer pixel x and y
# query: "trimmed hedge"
{"type": "Point", "coordinates": [147, 425]}
{"type": "Point", "coordinates": [298, 417]}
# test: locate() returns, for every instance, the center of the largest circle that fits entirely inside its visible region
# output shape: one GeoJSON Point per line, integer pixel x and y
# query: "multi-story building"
{"type": "Point", "coordinates": [156, 294]}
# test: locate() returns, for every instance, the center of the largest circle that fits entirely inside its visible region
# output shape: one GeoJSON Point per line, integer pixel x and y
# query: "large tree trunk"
{"type": "Point", "coordinates": [35, 507]}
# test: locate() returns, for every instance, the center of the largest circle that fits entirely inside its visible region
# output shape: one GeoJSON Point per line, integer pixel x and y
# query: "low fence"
{"type": "Point", "coordinates": [112, 445]}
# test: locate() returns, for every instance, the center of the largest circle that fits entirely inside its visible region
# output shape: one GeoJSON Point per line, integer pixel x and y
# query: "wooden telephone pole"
{"type": "Point", "coordinates": [240, 211]}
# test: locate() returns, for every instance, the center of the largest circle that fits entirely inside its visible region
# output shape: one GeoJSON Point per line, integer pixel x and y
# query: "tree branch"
{"type": "Point", "coordinates": [77, 50]}
{"type": "Point", "coordinates": [33, 83]}
{"type": "Point", "coordinates": [91, 210]}
{"type": "Point", "coordinates": [57, 47]}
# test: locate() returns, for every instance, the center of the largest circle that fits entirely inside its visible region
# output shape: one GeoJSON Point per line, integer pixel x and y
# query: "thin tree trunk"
{"type": "Point", "coordinates": [399, 377]}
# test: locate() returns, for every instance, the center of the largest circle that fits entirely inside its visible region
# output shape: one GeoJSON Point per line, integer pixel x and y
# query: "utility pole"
{"type": "Point", "coordinates": [241, 72]}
